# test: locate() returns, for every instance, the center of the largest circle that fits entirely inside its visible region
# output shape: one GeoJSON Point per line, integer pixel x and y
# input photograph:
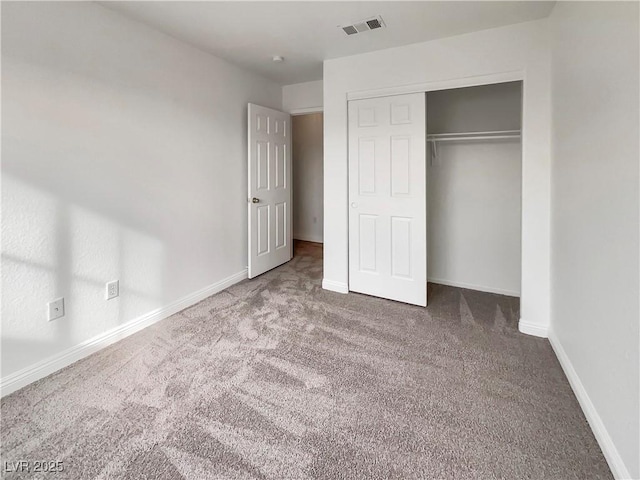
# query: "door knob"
{"type": "Point", "coordinates": [255, 200]}
{"type": "Point", "coordinates": [354, 205]}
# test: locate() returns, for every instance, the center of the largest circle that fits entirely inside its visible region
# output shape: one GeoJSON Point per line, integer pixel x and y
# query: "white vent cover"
{"type": "Point", "coordinates": [364, 25]}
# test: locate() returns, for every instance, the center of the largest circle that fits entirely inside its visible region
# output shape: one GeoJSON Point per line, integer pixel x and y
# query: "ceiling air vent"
{"type": "Point", "coordinates": [350, 30]}
{"type": "Point", "coordinates": [363, 25]}
{"type": "Point", "coordinates": [374, 23]}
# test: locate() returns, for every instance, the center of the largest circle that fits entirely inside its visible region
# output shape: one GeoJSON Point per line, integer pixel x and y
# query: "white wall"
{"type": "Point", "coordinates": [513, 52]}
{"type": "Point", "coordinates": [123, 157]}
{"type": "Point", "coordinates": [307, 157]}
{"type": "Point", "coordinates": [302, 97]}
{"type": "Point", "coordinates": [473, 201]}
{"type": "Point", "coordinates": [595, 215]}
{"type": "Point", "coordinates": [474, 190]}
{"type": "Point", "coordinates": [475, 109]}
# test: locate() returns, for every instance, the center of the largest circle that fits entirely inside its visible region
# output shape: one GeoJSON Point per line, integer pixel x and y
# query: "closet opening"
{"type": "Point", "coordinates": [474, 195]}
{"type": "Point", "coordinates": [307, 159]}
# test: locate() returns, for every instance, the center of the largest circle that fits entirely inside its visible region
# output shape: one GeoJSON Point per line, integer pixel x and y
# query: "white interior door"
{"type": "Point", "coordinates": [387, 198]}
{"type": "Point", "coordinates": [270, 237]}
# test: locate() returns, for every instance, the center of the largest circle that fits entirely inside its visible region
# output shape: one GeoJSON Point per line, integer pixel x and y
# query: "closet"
{"type": "Point", "coordinates": [447, 214]}
{"type": "Point", "coordinates": [474, 189]}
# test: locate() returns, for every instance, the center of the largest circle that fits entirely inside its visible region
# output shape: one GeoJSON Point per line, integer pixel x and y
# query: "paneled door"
{"type": "Point", "coordinates": [387, 198]}
{"type": "Point", "coordinates": [270, 237]}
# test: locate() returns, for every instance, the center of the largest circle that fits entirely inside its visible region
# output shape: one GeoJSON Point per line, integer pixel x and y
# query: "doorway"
{"type": "Point", "coordinates": [307, 182]}
{"type": "Point", "coordinates": [474, 187]}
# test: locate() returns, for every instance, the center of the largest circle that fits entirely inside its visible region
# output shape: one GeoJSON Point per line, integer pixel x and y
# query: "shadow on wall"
{"type": "Point", "coordinates": [53, 248]}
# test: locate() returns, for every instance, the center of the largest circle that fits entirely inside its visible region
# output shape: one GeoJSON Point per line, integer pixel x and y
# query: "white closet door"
{"type": "Point", "coordinates": [387, 198]}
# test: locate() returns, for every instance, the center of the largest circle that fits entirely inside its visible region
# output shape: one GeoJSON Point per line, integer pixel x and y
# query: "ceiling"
{"type": "Point", "coordinates": [305, 33]}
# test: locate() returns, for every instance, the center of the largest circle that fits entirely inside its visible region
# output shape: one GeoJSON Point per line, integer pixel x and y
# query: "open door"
{"type": "Point", "coordinates": [387, 198]}
{"type": "Point", "coordinates": [270, 235]}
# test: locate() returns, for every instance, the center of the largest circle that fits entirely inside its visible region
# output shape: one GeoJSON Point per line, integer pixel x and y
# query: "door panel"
{"type": "Point", "coordinates": [387, 198]}
{"type": "Point", "coordinates": [269, 186]}
{"type": "Point", "coordinates": [400, 165]}
{"type": "Point", "coordinates": [401, 247]}
{"type": "Point", "coordinates": [263, 165]}
{"type": "Point", "coordinates": [263, 229]}
{"type": "Point", "coordinates": [367, 165]}
{"type": "Point", "coordinates": [281, 165]}
{"type": "Point", "coordinates": [281, 225]}
{"type": "Point", "coordinates": [368, 230]}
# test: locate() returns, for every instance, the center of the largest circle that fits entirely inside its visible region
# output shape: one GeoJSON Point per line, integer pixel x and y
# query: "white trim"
{"type": "Point", "coordinates": [308, 238]}
{"type": "Point", "coordinates": [305, 110]}
{"type": "Point", "coordinates": [533, 329]}
{"type": "Point", "coordinates": [470, 286]}
{"type": "Point", "coordinates": [24, 377]}
{"type": "Point", "coordinates": [473, 81]}
{"type": "Point", "coordinates": [611, 454]}
{"type": "Point", "coordinates": [339, 287]}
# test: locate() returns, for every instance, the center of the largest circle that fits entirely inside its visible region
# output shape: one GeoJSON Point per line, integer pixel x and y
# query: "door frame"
{"type": "Point", "coordinates": [305, 111]}
{"type": "Point", "coordinates": [475, 81]}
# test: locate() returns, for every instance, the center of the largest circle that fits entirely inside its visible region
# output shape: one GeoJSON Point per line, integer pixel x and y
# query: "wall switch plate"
{"type": "Point", "coordinates": [55, 309]}
{"type": "Point", "coordinates": [113, 289]}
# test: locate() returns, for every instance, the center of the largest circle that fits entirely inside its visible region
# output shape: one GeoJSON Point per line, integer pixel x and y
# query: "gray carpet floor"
{"type": "Point", "coordinates": [276, 378]}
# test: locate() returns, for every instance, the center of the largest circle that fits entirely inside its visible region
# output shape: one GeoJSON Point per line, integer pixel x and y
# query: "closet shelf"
{"type": "Point", "coordinates": [495, 135]}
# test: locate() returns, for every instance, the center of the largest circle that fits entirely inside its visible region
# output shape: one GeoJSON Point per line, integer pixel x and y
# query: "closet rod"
{"type": "Point", "coordinates": [501, 134]}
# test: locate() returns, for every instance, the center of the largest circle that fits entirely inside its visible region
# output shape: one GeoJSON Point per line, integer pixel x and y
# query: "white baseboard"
{"type": "Point", "coordinates": [533, 329]}
{"type": "Point", "coordinates": [470, 286]}
{"type": "Point", "coordinates": [308, 238]}
{"type": "Point", "coordinates": [339, 287]}
{"type": "Point", "coordinates": [616, 464]}
{"type": "Point", "coordinates": [30, 374]}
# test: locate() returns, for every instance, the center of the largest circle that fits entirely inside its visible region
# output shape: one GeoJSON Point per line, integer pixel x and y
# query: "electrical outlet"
{"type": "Point", "coordinates": [113, 289]}
{"type": "Point", "coordinates": [55, 309]}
